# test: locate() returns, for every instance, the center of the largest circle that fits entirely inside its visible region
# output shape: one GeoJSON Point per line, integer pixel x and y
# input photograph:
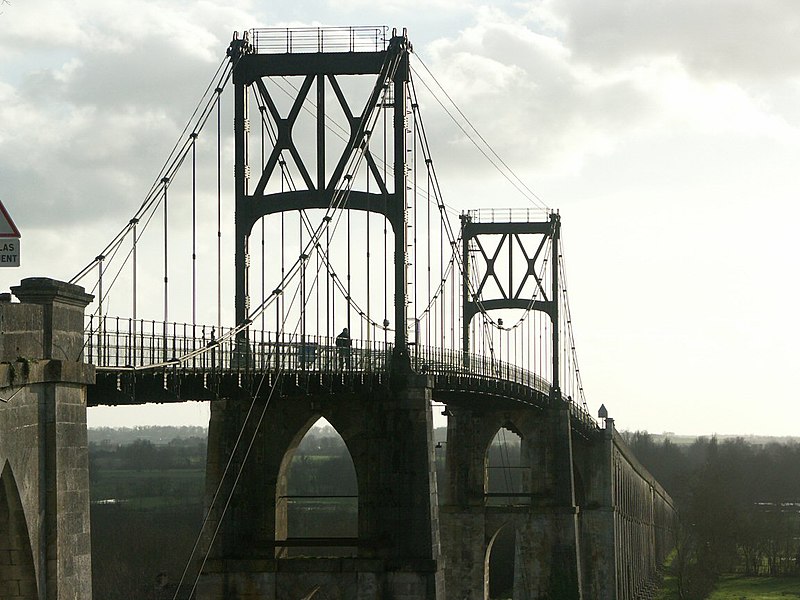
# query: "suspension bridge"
{"type": "Point", "coordinates": [359, 295]}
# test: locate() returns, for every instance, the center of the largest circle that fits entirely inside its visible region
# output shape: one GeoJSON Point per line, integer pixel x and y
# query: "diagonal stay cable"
{"type": "Point", "coordinates": [570, 329]}
{"type": "Point", "coordinates": [338, 200]}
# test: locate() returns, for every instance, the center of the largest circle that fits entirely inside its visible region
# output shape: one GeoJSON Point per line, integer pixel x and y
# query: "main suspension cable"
{"type": "Point", "coordinates": [174, 160]}
{"type": "Point", "coordinates": [520, 185]}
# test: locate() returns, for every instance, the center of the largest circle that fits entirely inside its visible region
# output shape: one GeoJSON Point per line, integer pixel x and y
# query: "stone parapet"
{"type": "Point", "coordinates": [48, 322]}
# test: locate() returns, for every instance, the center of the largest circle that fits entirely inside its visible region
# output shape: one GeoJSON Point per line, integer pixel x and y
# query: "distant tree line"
{"type": "Point", "coordinates": [322, 466]}
{"type": "Point", "coordinates": [738, 503]}
{"type": "Point", "coordinates": [148, 500]}
{"type": "Point", "coordinates": [141, 454]}
{"type": "Point", "coordinates": [158, 434]}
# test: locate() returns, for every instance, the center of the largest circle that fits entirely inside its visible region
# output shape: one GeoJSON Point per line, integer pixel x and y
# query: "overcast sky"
{"type": "Point", "coordinates": [666, 133]}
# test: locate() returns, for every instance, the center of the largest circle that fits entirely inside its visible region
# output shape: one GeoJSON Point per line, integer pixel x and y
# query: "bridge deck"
{"type": "Point", "coordinates": [139, 362]}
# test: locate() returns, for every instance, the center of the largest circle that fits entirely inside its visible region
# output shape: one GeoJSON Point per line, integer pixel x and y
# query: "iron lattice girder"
{"type": "Point", "coordinates": [388, 65]}
{"type": "Point", "coordinates": [357, 137]}
{"type": "Point", "coordinates": [257, 205]}
{"type": "Point", "coordinates": [491, 271]}
{"type": "Point", "coordinates": [511, 291]}
{"type": "Point", "coordinates": [392, 65]}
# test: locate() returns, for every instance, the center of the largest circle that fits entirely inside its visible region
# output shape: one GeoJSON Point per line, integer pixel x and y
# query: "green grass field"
{"type": "Point", "coordinates": [732, 587]}
{"type": "Point", "coordinates": [669, 589]}
{"type": "Point", "coordinates": [737, 587]}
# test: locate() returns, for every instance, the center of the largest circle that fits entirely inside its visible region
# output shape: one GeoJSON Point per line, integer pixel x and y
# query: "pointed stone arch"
{"type": "Point", "coordinates": [506, 470]}
{"type": "Point", "coordinates": [316, 498]}
{"type": "Point", "coordinates": [500, 564]}
{"type": "Point", "coordinates": [17, 571]}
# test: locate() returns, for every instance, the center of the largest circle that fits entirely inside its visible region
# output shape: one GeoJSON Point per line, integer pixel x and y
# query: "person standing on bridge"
{"type": "Point", "coordinates": [343, 349]}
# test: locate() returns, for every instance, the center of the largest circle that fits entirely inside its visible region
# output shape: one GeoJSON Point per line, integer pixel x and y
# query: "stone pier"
{"type": "Point", "coordinates": [395, 553]}
{"type": "Point", "coordinates": [45, 546]}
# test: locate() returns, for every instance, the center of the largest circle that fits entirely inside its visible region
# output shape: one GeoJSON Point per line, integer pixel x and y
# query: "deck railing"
{"type": "Point", "coordinates": [126, 343]}
{"type": "Point", "coordinates": [319, 39]}
{"type": "Point", "coordinates": [114, 343]}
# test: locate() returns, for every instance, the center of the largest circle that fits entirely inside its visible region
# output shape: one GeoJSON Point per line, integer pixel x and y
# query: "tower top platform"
{"type": "Point", "coordinates": [297, 40]}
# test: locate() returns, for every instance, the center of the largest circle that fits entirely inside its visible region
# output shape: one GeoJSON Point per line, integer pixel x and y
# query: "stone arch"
{"type": "Point", "coordinates": [17, 572]}
{"type": "Point", "coordinates": [500, 564]}
{"type": "Point", "coordinates": [316, 500]}
{"type": "Point", "coordinates": [506, 475]}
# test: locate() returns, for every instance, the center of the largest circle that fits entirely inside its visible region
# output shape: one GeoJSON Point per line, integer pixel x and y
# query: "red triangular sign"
{"type": "Point", "coordinates": [7, 227]}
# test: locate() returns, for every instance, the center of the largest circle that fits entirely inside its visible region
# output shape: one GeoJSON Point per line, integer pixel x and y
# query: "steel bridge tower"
{"type": "Point", "coordinates": [544, 297]}
{"type": "Point", "coordinates": [322, 189]}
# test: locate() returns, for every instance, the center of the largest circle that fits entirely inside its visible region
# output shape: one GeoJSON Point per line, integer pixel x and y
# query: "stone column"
{"type": "Point", "coordinates": [405, 506]}
{"type": "Point", "coordinates": [463, 516]}
{"type": "Point", "coordinates": [43, 439]}
{"type": "Point", "coordinates": [549, 547]}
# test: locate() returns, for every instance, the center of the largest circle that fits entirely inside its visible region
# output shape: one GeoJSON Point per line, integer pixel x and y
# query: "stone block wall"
{"type": "Point", "coordinates": [643, 519]}
{"type": "Point", "coordinates": [45, 545]}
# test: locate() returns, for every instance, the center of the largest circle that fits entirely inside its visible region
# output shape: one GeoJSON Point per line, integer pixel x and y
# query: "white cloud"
{"type": "Point", "coordinates": [510, 79]}
{"type": "Point", "coordinates": [716, 38]}
{"type": "Point", "coordinates": [402, 6]}
{"type": "Point", "coordinates": [666, 131]}
{"type": "Point", "coordinates": [99, 98]}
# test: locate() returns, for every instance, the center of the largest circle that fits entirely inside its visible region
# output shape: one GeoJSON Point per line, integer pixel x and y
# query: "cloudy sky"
{"type": "Point", "coordinates": [666, 133]}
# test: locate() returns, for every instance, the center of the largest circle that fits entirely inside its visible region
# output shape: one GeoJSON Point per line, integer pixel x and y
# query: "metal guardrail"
{"type": "Point", "coordinates": [508, 215]}
{"type": "Point", "coordinates": [319, 39]}
{"type": "Point", "coordinates": [114, 344]}
{"type": "Point", "coordinates": [119, 344]}
{"type": "Point", "coordinates": [445, 361]}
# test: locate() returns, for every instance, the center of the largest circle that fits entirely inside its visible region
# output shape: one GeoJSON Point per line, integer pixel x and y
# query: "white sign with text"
{"type": "Point", "coordinates": [9, 239]}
